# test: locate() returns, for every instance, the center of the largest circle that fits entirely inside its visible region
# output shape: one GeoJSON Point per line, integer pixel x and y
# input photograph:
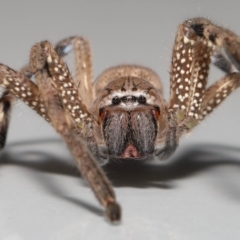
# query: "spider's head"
{"type": "Point", "coordinates": [130, 112]}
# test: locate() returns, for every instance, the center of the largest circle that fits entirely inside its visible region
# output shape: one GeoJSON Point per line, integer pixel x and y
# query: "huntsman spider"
{"type": "Point", "coordinates": [122, 116]}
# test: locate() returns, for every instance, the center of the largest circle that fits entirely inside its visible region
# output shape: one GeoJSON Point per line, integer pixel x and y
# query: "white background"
{"type": "Point", "coordinates": [194, 195]}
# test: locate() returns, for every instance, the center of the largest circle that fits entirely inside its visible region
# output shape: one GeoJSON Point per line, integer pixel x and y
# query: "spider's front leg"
{"type": "Point", "coordinates": [57, 96]}
{"type": "Point", "coordinates": [190, 66]}
{"type": "Point", "coordinates": [189, 71]}
{"type": "Point", "coordinates": [17, 86]}
{"type": "Point", "coordinates": [83, 66]}
{"type": "Point", "coordinates": [197, 41]}
{"type": "Point", "coordinates": [64, 106]}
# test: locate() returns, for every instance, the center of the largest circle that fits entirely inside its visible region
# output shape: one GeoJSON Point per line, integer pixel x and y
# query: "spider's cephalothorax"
{"type": "Point", "coordinates": [122, 115]}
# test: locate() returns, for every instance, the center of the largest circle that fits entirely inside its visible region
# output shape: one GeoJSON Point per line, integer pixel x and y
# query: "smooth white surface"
{"type": "Point", "coordinates": [195, 195]}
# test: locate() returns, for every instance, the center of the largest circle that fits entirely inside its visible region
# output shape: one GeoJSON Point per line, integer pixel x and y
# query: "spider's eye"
{"type": "Point", "coordinates": [116, 100]}
{"type": "Point", "coordinates": [124, 99]}
{"type": "Point", "coordinates": [134, 99]}
{"type": "Point", "coordinates": [142, 99]}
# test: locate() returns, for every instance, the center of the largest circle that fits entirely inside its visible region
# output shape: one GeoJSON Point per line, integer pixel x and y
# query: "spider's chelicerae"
{"type": "Point", "coordinates": [123, 115]}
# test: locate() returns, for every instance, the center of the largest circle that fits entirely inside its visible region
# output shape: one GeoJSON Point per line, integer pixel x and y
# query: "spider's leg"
{"type": "Point", "coordinates": [226, 56]}
{"type": "Point", "coordinates": [56, 88]}
{"type": "Point", "coordinates": [224, 59]}
{"type": "Point", "coordinates": [189, 72]}
{"type": "Point", "coordinates": [11, 98]}
{"type": "Point", "coordinates": [217, 92]}
{"type": "Point", "coordinates": [64, 84]}
{"type": "Point", "coordinates": [6, 102]}
{"type": "Point", "coordinates": [19, 86]}
{"type": "Point", "coordinates": [190, 66]}
{"type": "Point", "coordinates": [196, 42]}
{"type": "Point", "coordinates": [83, 65]}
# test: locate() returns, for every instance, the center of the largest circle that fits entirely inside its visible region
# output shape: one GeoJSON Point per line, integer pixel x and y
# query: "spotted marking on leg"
{"type": "Point", "coordinates": [189, 72]}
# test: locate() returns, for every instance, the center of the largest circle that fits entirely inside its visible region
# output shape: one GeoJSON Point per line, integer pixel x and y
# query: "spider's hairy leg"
{"type": "Point", "coordinates": [22, 88]}
{"type": "Point", "coordinates": [16, 86]}
{"type": "Point", "coordinates": [64, 84]}
{"type": "Point", "coordinates": [83, 65]}
{"type": "Point", "coordinates": [171, 139]}
{"type": "Point", "coordinates": [190, 66]}
{"type": "Point", "coordinates": [189, 71]}
{"type": "Point", "coordinates": [6, 102]}
{"type": "Point", "coordinates": [226, 56]}
{"type": "Point", "coordinates": [198, 41]}
{"type": "Point", "coordinates": [218, 92]}
{"type": "Point", "coordinates": [55, 85]}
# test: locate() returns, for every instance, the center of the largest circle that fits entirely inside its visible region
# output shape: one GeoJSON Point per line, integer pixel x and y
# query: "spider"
{"type": "Point", "coordinates": [123, 115]}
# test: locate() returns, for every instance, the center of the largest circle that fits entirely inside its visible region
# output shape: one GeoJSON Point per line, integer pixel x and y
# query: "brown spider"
{"type": "Point", "coordinates": [122, 115]}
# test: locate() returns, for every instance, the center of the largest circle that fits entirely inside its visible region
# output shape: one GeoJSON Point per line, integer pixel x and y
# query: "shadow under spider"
{"type": "Point", "coordinates": [136, 174]}
{"type": "Point", "coordinates": [189, 162]}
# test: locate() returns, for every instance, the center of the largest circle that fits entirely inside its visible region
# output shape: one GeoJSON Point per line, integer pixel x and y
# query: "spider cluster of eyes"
{"type": "Point", "coordinates": [117, 100]}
